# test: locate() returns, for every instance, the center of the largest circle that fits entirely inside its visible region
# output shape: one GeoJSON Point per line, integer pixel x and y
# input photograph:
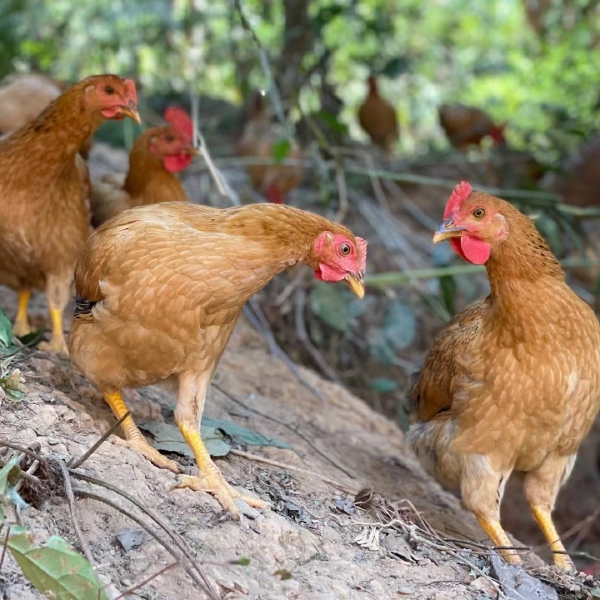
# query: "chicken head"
{"type": "Point", "coordinates": [115, 98]}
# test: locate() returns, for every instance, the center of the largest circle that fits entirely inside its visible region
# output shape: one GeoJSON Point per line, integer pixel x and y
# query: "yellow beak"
{"type": "Point", "coordinates": [193, 151]}
{"type": "Point", "coordinates": [132, 112]}
{"type": "Point", "coordinates": [356, 284]}
{"type": "Point", "coordinates": [446, 231]}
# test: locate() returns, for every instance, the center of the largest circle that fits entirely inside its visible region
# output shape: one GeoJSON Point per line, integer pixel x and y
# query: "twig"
{"type": "Point", "coordinates": [146, 581]}
{"type": "Point", "coordinates": [71, 499]}
{"type": "Point", "coordinates": [75, 464]}
{"type": "Point", "coordinates": [29, 474]}
{"type": "Point", "coordinates": [98, 497]}
{"type": "Point", "coordinates": [4, 546]}
{"type": "Point", "coordinates": [30, 453]}
{"type": "Point", "coordinates": [180, 543]}
{"type": "Point", "coordinates": [285, 467]}
{"type": "Point", "coordinates": [287, 426]}
{"type": "Point", "coordinates": [302, 335]}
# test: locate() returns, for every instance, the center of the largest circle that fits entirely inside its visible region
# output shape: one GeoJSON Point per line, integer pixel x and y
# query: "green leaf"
{"type": "Point", "coordinates": [6, 332]}
{"type": "Point", "coordinates": [328, 303]}
{"type": "Point", "coordinates": [168, 438]}
{"type": "Point", "coordinates": [9, 475]}
{"type": "Point", "coordinates": [14, 395]}
{"type": "Point", "coordinates": [281, 149]}
{"type": "Point", "coordinates": [383, 384]}
{"type": "Point", "coordinates": [241, 435]}
{"type": "Point", "coordinates": [55, 569]}
{"type": "Point", "coordinates": [32, 337]}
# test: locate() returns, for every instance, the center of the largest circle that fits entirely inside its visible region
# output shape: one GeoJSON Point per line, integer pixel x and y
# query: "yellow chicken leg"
{"type": "Point", "coordinates": [134, 437]}
{"type": "Point", "coordinates": [498, 536]}
{"type": "Point", "coordinates": [22, 326]}
{"type": "Point", "coordinates": [57, 344]}
{"type": "Point", "coordinates": [209, 478]}
{"type": "Point", "coordinates": [544, 519]}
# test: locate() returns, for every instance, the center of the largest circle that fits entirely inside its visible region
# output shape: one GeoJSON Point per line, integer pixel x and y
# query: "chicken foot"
{"type": "Point", "coordinates": [541, 488]}
{"type": "Point", "coordinates": [21, 326]}
{"type": "Point", "coordinates": [58, 289]}
{"type": "Point", "coordinates": [133, 436]}
{"type": "Point", "coordinates": [188, 415]}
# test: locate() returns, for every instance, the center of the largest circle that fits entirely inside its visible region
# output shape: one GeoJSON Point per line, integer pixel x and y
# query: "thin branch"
{"type": "Point", "coordinates": [302, 335]}
{"type": "Point", "coordinates": [71, 499]}
{"type": "Point", "coordinates": [146, 581]}
{"type": "Point", "coordinates": [98, 497]}
{"type": "Point", "coordinates": [179, 541]}
{"type": "Point", "coordinates": [285, 467]}
{"type": "Point", "coordinates": [30, 453]}
{"type": "Point", "coordinates": [286, 425]}
{"type": "Point", "coordinates": [75, 464]}
{"type": "Point", "coordinates": [4, 546]}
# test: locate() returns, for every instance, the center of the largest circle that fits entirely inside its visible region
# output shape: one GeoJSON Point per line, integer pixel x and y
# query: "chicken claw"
{"type": "Point", "coordinates": [152, 454]}
{"type": "Point", "coordinates": [56, 346]}
{"type": "Point", "coordinates": [214, 483]}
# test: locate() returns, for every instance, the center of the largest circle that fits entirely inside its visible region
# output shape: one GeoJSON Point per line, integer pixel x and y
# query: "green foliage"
{"type": "Point", "coordinates": [55, 569]}
{"type": "Point", "coordinates": [215, 434]}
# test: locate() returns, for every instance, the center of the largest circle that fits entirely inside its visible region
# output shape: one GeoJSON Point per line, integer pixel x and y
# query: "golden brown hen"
{"type": "Point", "coordinates": [44, 218]}
{"type": "Point", "coordinates": [161, 287]}
{"type": "Point", "coordinates": [156, 155]}
{"type": "Point", "coordinates": [513, 382]}
{"type": "Point", "coordinates": [378, 118]}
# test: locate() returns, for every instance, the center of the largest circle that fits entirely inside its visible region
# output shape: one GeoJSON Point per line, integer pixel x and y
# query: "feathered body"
{"type": "Point", "coordinates": [258, 139]}
{"type": "Point", "coordinates": [161, 287]}
{"type": "Point", "coordinates": [44, 217]}
{"type": "Point", "coordinates": [513, 382]}
{"type": "Point", "coordinates": [378, 118]}
{"type": "Point", "coordinates": [466, 126]}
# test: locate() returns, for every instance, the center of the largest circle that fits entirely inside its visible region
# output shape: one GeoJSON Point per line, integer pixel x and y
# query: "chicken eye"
{"type": "Point", "coordinates": [478, 213]}
{"type": "Point", "coordinates": [109, 90]}
{"type": "Point", "coordinates": [169, 137]}
{"type": "Point", "coordinates": [345, 249]}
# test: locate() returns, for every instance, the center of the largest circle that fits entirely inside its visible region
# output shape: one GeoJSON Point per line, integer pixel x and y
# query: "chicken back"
{"type": "Point", "coordinates": [44, 218]}
{"type": "Point", "coordinates": [466, 126]}
{"type": "Point", "coordinates": [513, 382]}
{"type": "Point", "coordinates": [161, 287]}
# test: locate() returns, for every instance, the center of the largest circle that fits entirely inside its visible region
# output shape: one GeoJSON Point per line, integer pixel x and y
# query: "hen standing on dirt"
{"type": "Point", "coordinates": [513, 382]}
{"type": "Point", "coordinates": [160, 290]}
{"type": "Point", "coordinates": [44, 219]}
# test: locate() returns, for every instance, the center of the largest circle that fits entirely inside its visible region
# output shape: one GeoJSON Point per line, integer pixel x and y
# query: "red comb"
{"type": "Point", "coordinates": [131, 91]}
{"type": "Point", "coordinates": [180, 120]}
{"type": "Point", "coordinates": [461, 192]}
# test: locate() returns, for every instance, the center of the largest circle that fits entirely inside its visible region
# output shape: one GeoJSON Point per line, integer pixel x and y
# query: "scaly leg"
{"type": "Point", "coordinates": [58, 290]}
{"type": "Point", "coordinates": [188, 415]}
{"type": "Point", "coordinates": [22, 326]}
{"type": "Point", "coordinates": [134, 437]}
{"type": "Point", "coordinates": [541, 489]}
{"type": "Point", "coordinates": [543, 517]}
{"type": "Point", "coordinates": [482, 489]}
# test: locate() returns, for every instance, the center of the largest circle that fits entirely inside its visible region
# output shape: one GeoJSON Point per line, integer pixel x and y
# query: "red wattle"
{"type": "Point", "coordinates": [178, 162]}
{"type": "Point", "coordinates": [475, 250]}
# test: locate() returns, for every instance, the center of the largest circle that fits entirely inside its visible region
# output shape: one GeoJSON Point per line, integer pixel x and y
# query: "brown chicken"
{"type": "Point", "coordinates": [467, 126]}
{"type": "Point", "coordinates": [23, 97]}
{"type": "Point", "coordinates": [513, 382]}
{"type": "Point", "coordinates": [161, 287]}
{"type": "Point", "coordinates": [156, 155]}
{"type": "Point", "coordinates": [258, 141]}
{"type": "Point", "coordinates": [378, 118]}
{"type": "Point", "coordinates": [44, 218]}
